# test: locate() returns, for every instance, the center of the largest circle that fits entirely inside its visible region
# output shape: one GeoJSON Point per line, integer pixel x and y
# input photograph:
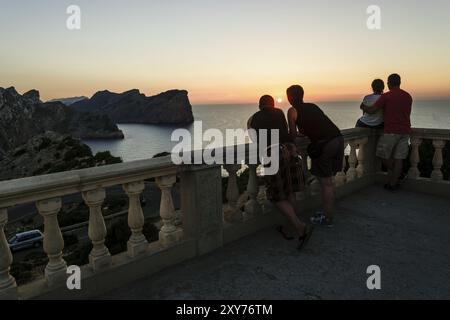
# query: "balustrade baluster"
{"type": "Point", "coordinates": [252, 207]}
{"type": "Point", "coordinates": [361, 169]}
{"type": "Point", "coordinates": [341, 177]}
{"type": "Point", "coordinates": [438, 160]}
{"type": "Point", "coordinates": [55, 271]}
{"type": "Point", "coordinates": [99, 257]}
{"type": "Point", "coordinates": [414, 172]}
{"type": "Point", "coordinates": [8, 286]}
{"type": "Point", "coordinates": [169, 233]}
{"type": "Point", "coordinates": [232, 212]}
{"type": "Point", "coordinates": [138, 243]}
{"type": "Point", "coordinates": [351, 173]}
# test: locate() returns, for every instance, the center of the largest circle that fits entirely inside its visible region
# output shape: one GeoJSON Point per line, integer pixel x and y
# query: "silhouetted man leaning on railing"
{"type": "Point", "coordinates": [326, 149]}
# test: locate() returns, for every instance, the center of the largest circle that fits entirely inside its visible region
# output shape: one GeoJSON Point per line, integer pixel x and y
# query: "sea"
{"type": "Point", "coordinates": [145, 141]}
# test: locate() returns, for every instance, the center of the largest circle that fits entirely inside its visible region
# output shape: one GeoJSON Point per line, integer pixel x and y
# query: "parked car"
{"type": "Point", "coordinates": [25, 240]}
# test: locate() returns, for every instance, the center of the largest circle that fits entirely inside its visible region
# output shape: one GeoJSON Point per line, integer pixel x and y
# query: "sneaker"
{"type": "Point", "coordinates": [321, 220]}
{"type": "Point", "coordinates": [319, 214]}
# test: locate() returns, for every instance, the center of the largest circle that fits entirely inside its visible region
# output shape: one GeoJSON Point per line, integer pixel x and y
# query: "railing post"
{"type": "Point", "coordinates": [99, 257]}
{"type": "Point", "coordinates": [414, 172]}
{"type": "Point", "coordinates": [341, 177]}
{"type": "Point", "coordinates": [138, 243]}
{"type": "Point", "coordinates": [252, 207]}
{"type": "Point", "coordinates": [438, 160]}
{"type": "Point", "coordinates": [201, 204]}
{"type": "Point", "coordinates": [55, 271]}
{"type": "Point", "coordinates": [232, 212]}
{"type": "Point", "coordinates": [351, 173]}
{"type": "Point", "coordinates": [361, 169]}
{"type": "Point", "coordinates": [8, 286]}
{"type": "Point", "coordinates": [169, 233]}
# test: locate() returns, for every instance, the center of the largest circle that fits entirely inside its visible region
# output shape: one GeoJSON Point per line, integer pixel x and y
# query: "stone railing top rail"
{"type": "Point", "coordinates": [241, 151]}
{"type": "Point", "coordinates": [443, 134]}
{"type": "Point", "coordinates": [348, 134]}
{"type": "Point", "coordinates": [37, 188]}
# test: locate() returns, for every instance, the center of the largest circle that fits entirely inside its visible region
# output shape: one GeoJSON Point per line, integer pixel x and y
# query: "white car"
{"type": "Point", "coordinates": [25, 240]}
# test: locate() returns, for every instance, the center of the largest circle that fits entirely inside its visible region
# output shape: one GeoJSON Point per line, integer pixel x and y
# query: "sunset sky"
{"type": "Point", "coordinates": [227, 51]}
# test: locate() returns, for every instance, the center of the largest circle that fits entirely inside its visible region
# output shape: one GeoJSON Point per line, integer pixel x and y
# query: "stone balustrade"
{"type": "Point", "coordinates": [203, 213]}
{"type": "Point", "coordinates": [439, 139]}
{"type": "Point", "coordinates": [47, 192]}
{"type": "Point", "coordinates": [358, 163]}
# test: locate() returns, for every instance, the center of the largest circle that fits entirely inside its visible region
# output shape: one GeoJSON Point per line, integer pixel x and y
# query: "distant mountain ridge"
{"type": "Point", "coordinates": [24, 116]}
{"type": "Point", "coordinates": [168, 108]}
{"type": "Point", "coordinates": [69, 101]}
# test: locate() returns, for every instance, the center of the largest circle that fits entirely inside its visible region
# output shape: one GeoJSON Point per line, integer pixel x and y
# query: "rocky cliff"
{"type": "Point", "coordinates": [25, 116]}
{"type": "Point", "coordinates": [167, 108]}
{"type": "Point", "coordinates": [50, 152]}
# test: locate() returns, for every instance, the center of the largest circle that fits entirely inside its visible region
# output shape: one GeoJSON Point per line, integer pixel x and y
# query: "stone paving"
{"type": "Point", "coordinates": [406, 234]}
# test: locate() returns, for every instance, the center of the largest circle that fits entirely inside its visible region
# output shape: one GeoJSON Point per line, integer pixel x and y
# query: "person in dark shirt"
{"type": "Point", "coordinates": [393, 146]}
{"type": "Point", "coordinates": [270, 118]}
{"type": "Point", "coordinates": [326, 149]}
{"type": "Point", "coordinates": [282, 186]}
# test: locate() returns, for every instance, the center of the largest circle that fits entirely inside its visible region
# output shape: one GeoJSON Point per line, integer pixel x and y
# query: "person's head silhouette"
{"type": "Point", "coordinates": [295, 95]}
{"type": "Point", "coordinates": [378, 86]}
{"type": "Point", "coordinates": [266, 101]}
{"type": "Point", "coordinates": [394, 81]}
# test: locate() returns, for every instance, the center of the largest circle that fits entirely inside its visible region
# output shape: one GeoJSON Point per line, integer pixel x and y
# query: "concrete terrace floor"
{"type": "Point", "coordinates": [407, 234]}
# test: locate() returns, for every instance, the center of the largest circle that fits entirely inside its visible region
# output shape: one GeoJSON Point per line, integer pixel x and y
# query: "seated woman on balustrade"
{"type": "Point", "coordinates": [282, 186]}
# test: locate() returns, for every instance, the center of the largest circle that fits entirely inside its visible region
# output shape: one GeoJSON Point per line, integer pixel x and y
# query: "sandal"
{"type": "Point", "coordinates": [280, 229]}
{"type": "Point", "coordinates": [304, 240]}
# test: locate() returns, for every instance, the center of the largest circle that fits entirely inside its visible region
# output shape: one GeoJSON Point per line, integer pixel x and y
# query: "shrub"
{"type": "Point", "coordinates": [19, 152]}
{"type": "Point", "coordinates": [70, 216]}
{"type": "Point", "coordinates": [115, 203]}
{"type": "Point", "coordinates": [22, 272]}
{"type": "Point", "coordinates": [79, 256]}
{"type": "Point", "coordinates": [106, 158]}
{"type": "Point", "coordinates": [45, 143]}
{"type": "Point", "coordinates": [78, 151]}
{"type": "Point", "coordinates": [44, 169]}
{"type": "Point", "coordinates": [70, 240]}
{"type": "Point", "coordinates": [119, 233]}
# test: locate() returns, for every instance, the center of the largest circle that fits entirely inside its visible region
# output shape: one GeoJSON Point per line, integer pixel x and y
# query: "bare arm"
{"type": "Point", "coordinates": [249, 123]}
{"type": "Point", "coordinates": [378, 105]}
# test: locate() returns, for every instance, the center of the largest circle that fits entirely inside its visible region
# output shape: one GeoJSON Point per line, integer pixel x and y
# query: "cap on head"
{"type": "Point", "coordinates": [295, 94]}
{"type": "Point", "coordinates": [266, 101]}
{"type": "Point", "coordinates": [394, 81]}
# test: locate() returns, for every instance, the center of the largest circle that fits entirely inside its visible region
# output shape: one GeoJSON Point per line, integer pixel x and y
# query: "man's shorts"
{"type": "Point", "coordinates": [393, 146]}
{"type": "Point", "coordinates": [330, 161]}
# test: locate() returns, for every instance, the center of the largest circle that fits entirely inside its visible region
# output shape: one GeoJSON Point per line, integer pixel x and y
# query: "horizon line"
{"type": "Point", "coordinates": [234, 102]}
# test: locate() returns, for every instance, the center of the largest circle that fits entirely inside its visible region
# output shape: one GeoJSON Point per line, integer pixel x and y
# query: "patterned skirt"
{"type": "Point", "coordinates": [290, 177]}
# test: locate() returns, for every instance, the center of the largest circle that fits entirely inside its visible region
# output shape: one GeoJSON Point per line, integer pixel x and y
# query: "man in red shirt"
{"type": "Point", "coordinates": [393, 146]}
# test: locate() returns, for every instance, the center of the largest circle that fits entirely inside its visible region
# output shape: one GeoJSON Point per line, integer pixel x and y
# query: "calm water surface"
{"type": "Point", "coordinates": [144, 141]}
